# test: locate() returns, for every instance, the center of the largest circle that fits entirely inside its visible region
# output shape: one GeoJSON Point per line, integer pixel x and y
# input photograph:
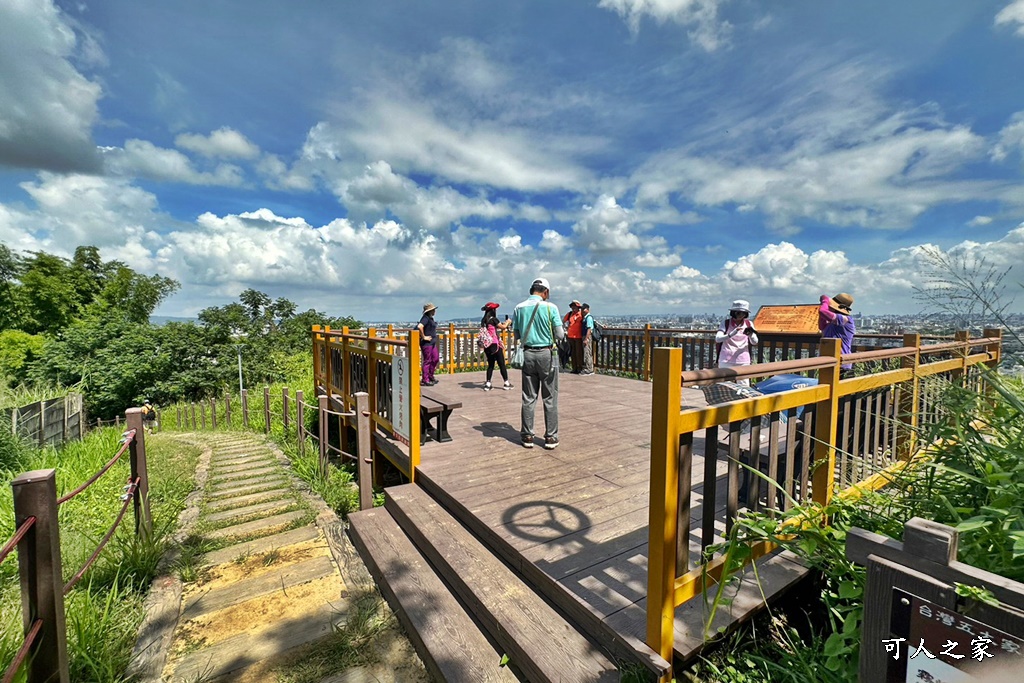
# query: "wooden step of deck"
{"type": "Point", "coordinates": [537, 638]}
{"type": "Point", "coordinates": [451, 645]}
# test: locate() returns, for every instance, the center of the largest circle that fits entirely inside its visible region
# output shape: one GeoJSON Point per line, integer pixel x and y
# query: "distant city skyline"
{"type": "Point", "coordinates": [659, 155]}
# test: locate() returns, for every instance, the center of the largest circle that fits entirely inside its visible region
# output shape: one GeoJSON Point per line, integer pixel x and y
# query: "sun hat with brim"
{"type": "Point", "coordinates": [740, 305]}
{"type": "Point", "coordinates": [574, 302]}
{"type": "Point", "coordinates": [542, 282]}
{"type": "Point", "coordinates": [842, 301]}
{"type": "Point", "coordinates": [489, 305]}
{"type": "Point", "coordinates": [427, 308]}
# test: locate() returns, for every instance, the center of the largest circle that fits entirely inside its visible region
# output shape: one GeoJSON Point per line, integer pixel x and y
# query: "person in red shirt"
{"type": "Point", "coordinates": [573, 323]}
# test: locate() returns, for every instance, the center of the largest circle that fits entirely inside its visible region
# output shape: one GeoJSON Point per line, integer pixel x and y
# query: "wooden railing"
{"type": "Point", "coordinates": [839, 433]}
{"type": "Point", "coordinates": [627, 350]}
{"type": "Point", "coordinates": [43, 655]}
{"type": "Point", "coordinates": [388, 370]}
{"type": "Point", "coordinates": [51, 421]}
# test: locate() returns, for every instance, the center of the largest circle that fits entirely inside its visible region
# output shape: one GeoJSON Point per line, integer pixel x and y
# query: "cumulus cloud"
{"type": "Point", "coordinates": [223, 143]}
{"type": "Point", "coordinates": [605, 227]}
{"type": "Point", "coordinates": [141, 158]}
{"type": "Point", "coordinates": [48, 107]}
{"type": "Point", "coordinates": [649, 260]}
{"type": "Point", "coordinates": [979, 221]}
{"type": "Point", "coordinates": [1011, 137]}
{"type": "Point", "coordinates": [277, 175]}
{"type": "Point", "coordinates": [707, 29]}
{"type": "Point", "coordinates": [1013, 15]}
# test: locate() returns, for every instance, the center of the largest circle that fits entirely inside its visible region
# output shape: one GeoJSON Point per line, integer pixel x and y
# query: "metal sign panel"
{"type": "Point", "coordinates": [401, 389]}
{"type": "Point", "coordinates": [792, 319]}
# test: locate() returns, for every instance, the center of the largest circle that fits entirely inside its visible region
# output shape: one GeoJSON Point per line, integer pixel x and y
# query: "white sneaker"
{"type": "Point", "coordinates": [508, 385]}
{"type": "Point", "coordinates": [487, 386]}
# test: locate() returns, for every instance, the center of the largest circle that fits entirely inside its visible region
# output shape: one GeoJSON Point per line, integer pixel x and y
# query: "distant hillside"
{"type": "Point", "coordinates": [164, 319]}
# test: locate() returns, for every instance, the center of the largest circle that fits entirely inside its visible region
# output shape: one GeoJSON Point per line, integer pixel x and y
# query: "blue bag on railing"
{"type": "Point", "coordinates": [774, 385]}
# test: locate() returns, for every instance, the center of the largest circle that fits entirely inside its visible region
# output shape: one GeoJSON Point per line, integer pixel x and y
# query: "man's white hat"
{"type": "Point", "coordinates": [542, 282]}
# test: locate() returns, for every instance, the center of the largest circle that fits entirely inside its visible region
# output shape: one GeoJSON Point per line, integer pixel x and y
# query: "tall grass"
{"type": "Point", "coordinates": [22, 395]}
{"type": "Point", "coordinates": [105, 608]}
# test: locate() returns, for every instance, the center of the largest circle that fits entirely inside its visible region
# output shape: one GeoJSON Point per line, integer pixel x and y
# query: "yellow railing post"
{"type": "Point", "coordinates": [647, 352]}
{"type": "Point", "coordinates": [995, 349]}
{"type": "Point", "coordinates": [414, 403]}
{"type": "Point", "coordinates": [826, 413]}
{"type": "Point", "coordinates": [371, 370]}
{"type": "Point", "coordinates": [962, 336]}
{"type": "Point", "coordinates": [346, 368]}
{"type": "Point", "coordinates": [451, 348]}
{"type": "Point", "coordinates": [317, 340]}
{"type": "Point", "coordinates": [906, 438]}
{"type": "Point", "coordinates": [329, 377]}
{"type": "Point", "coordinates": [663, 518]}
{"type": "Point", "coordinates": [391, 331]}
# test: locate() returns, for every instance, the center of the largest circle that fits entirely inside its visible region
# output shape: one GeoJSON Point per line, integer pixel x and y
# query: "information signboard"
{"type": "Point", "coordinates": [792, 319]}
{"type": "Point", "coordinates": [401, 388]}
{"type": "Point", "coordinates": [936, 644]}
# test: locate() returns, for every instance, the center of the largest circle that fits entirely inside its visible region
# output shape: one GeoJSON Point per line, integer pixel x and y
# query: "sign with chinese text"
{"type": "Point", "coordinates": [943, 646]}
{"type": "Point", "coordinates": [793, 319]}
{"type": "Point", "coordinates": [401, 387]}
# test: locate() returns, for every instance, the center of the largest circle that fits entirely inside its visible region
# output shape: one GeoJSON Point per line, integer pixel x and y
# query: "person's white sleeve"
{"type": "Point", "coordinates": [720, 336]}
{"type": "Point", "coordinates": [753, 337]}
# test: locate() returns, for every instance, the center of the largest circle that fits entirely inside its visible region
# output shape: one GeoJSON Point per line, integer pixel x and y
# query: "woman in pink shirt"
{"type": "Point", "coordinates": [735, 338]}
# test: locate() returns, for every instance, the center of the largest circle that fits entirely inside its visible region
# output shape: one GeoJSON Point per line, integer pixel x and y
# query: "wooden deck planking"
{"type": "Point", "coordinates": [578, 514]}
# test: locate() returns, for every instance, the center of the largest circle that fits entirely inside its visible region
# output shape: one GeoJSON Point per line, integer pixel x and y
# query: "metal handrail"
{"type": "Point", "coordinates": [19, 534]}
{"type": "Point", "coordinates": [19, 658]}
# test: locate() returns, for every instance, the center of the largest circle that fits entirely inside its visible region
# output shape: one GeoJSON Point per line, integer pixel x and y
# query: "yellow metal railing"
{"type": "Point", "coordinates": [801, 439]}
{"type": "Point", "coordinates": [346, 363]}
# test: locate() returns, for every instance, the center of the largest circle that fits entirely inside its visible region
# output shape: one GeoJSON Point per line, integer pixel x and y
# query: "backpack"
{"type": "Point", "coordinates": [596, 330]}
{"type": "Point", "coordinates": [484, 339]}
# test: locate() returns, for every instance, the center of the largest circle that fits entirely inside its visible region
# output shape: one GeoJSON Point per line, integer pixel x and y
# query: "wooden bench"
{"type": "Point", "coordinates": [436, 406]}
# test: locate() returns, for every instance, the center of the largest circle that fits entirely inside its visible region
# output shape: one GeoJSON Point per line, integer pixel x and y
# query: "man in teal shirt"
{"type": "Point", "coordinates": [536, 325]}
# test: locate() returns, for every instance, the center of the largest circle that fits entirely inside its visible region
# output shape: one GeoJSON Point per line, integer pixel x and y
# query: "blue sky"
{"type": "Point", "coordinates": [643, 155]}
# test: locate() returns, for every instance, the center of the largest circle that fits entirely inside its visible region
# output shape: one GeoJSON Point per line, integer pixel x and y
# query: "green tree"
{"type": "Point", "coordinates": [17, 352]}
{"type": "Point", "coordinates": [47, 294]}
{"type": "Point", "coordinates": [10, 269]}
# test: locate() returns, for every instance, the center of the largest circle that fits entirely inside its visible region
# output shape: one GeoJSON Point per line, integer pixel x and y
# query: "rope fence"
{"type": "Point", "coordinates": [43, 654]}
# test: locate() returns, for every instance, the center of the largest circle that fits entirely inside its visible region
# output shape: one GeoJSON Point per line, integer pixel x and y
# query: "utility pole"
{"type": "Point", "coordinates": [239, 347]}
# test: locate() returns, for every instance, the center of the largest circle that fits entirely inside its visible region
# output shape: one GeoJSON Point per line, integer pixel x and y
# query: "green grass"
{"type": "Point", "coordinates": [105, 608]}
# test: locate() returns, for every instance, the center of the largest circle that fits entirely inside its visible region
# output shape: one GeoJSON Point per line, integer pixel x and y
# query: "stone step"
{"type": "Point", "coordinates": [247, 499]}
{"type": "Point", "coordinates": [253, 483]}
{"type": "Point", "coordinates": [264, 584]}
{"type": "Point", "coordinates": [256, 526]}
{"type": "Point", "coordinates": [249, 510]}
{"type": "Point", "coordinates": [246, 649]}
{"type": "Point", "coordinates": [260, 545]}
{"type": "Point", "coordinates": [255, 472]}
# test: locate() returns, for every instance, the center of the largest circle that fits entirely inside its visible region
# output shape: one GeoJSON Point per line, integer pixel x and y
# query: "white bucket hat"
{"type": "Point", "coordinates": [740, 305]}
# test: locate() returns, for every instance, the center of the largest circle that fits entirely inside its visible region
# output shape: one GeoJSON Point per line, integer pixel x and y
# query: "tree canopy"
{"type": "Point", "coordinates": [85, 322]}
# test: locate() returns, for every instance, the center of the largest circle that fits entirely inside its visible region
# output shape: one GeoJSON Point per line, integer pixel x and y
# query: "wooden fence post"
{"type": "Point", "coordinates": [826, 413]}
{"type": "Point", "coordinates": [213, 413]}
{"type": "Point", "coordinates": [300, 422]}
{"type": "Point", "coordinates": [906, 437]}
{"type": "Point", "coordinates": [364, 453]}
{"type": "Point", "coordinates": [202, 413]}
{"type": "Point", "coordinates": [194, 425]}
{"type": "Point", "coordinates": [245, 408]}
{"type": "Point", "coordinates": [284, 408]}
{"type": "Point", "coordinates": [647, 353]}
{"type": "Point", "coordinates": [177, 419]}
{"type": "Point", "coordinates": [664, 502]}
{"type": "Point", "coordinates": [117, 420]}
{"type": "Point", "coordinates": [42, 423]}
{"type": "Point", "coordinates": [266, 409]}
{"type": "Point", "coordinates": [451, 348]}
{"type": "Point", "coordinates": [137, 458]}
{"type": "Point", "coordinates": [39, 566]}
{"type": "Point", "coordinates": [322, 421]}
{"type": "Point", "coordinates": [227, 409]}
{"type": "Point", "coordinates": [962, 336]}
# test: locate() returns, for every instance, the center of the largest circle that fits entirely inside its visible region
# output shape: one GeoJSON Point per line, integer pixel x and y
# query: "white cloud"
{"type": "Point", "coordinates": [979, 221]}
{"type": "Point", "coordinates": [379, 191]}
{"type": "Point", "coordinates": [141, 158]}
{"type": "Point", "coordinates": [605, 227]}
{"type": "Point", "coordinates": [223, 143]}
{"type": "Point", "coordinates": [278, 176]}
{"type": "Point", "coordinates": [708, 30]}
{"type": "Point", "coordinates": [1012, 14]}
{"type": "Point", "coordinates": [1011, 137]}
{"type": "Point", "coordinates": [649, 260]}
{"type": "Point", "coordinates": [48, 108]}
